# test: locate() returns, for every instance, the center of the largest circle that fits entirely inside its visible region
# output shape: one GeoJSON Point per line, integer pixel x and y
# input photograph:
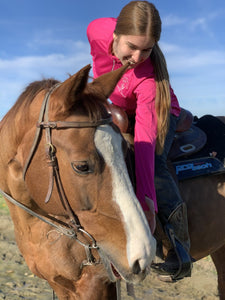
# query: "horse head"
{"type": "Point", "coordinates": [77, 140]}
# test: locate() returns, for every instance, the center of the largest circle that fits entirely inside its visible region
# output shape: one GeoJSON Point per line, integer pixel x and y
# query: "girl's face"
{"type": "Point", "coordinates": [132, 48]}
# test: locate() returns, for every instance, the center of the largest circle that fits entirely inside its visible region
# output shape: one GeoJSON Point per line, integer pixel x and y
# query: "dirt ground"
{"type": "Point", "coordinates": [17, 282]}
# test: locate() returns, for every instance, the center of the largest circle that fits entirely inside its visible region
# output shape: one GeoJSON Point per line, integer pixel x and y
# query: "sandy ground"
{"type": "Point", "coordinates": [17, 282]}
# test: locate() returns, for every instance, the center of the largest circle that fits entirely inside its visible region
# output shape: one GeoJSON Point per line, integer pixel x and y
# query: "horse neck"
{"type": "Point", "coordinates": [14, 127]}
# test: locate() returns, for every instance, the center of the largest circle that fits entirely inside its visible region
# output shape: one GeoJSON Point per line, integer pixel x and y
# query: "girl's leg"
{"type": "Point", "coordinates": [173, 216]}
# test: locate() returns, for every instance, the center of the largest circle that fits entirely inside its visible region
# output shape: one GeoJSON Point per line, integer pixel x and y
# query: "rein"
{"type": "Point", "coordinates": [73, 227]}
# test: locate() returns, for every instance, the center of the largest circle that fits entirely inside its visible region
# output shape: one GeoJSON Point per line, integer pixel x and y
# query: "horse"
{"type": "Point", "coordinates": [77, 221]}
{"type": "Point", "coordinates": [203, 194]}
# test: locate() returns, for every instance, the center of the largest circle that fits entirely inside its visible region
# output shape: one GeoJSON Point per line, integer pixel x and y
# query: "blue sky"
{"type": "Point", "coordinates": [48, 39]}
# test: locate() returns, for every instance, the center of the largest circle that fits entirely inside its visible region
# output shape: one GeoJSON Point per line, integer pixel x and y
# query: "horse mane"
{"type": "Point", "coordinates": [89, 102]}
{"type": "Point", "coordinates": [27, 96]}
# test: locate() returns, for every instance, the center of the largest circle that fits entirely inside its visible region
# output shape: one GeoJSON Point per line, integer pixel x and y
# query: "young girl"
{"type": "Point", "coordinates": [144, 92]}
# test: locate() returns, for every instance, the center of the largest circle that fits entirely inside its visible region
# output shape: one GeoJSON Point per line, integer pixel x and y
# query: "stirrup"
{"type": "Point", "coordinates": [185, 263]}
{"type": "Point", "coordinates": [184, 260]}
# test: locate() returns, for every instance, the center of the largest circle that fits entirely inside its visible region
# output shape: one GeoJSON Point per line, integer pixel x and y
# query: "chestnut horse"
{"type": "Point", "coordinates": [77, 221]}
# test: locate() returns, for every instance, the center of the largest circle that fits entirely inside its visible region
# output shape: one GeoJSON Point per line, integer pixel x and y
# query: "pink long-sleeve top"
{"type": "Point", "coordinates": [135, 93]}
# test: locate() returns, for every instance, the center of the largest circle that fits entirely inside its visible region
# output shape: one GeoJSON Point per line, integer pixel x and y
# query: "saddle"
{"type": "Point", "coordinates": [198, 146]}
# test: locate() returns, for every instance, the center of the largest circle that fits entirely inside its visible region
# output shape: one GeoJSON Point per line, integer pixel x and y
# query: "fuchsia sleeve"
{"type": "Point", "coordinates": [145, 141]}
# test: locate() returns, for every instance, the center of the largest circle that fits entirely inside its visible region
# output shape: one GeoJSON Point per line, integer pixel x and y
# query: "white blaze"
{"type": "Point", "coordinates": [140, 243]}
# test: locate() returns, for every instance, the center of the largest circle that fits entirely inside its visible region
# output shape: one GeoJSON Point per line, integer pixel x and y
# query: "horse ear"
{"type": "Point", "coordinates": [106, 83]}
{"type": "Point", "coordinates": [73, 86]}
{"type": "Point", "coordinates": [80, 80]}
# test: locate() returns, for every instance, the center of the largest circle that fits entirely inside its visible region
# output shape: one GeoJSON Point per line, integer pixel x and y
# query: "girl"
{"type": "Point", "coordinates": [145, 93]}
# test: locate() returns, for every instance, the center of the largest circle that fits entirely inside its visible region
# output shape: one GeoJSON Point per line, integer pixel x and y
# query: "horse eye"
{"type": "Point", "coordinates": [81, 167]}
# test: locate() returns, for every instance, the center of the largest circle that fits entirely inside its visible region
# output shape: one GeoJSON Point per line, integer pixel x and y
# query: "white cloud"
{"type": "Point", "coordinates": [169, 48]}
{"type": "Point", "coordinates": [197, 77]}
{"type": "Point", "coordinates": [17, 72]}
{"type": "Point", "coordinates": [179, 58]}
{"type": "Point", "coordinates": [203, 22]}
{"type": "Point", "coordinates": [51, 65]}
{"type": "Point", "coordinates": [172, 20]}
{"type": "Point", "coordinates": [200, 22]}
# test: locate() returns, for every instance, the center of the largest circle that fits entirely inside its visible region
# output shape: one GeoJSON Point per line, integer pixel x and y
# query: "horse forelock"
{"type": "Point", "coordinates": [94, 103]}
{"type": "Point", "coordinates": [89, 103]}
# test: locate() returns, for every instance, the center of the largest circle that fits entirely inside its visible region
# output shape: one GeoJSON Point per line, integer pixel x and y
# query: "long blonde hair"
{"type": "Point", "coordinates": [142, 18]}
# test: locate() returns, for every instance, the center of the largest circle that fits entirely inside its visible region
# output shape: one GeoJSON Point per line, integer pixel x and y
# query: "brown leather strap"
{"type": "Point", "coordinates": [54, 176]}
{"type": "Point", "coordinates": [38, 130]}
{"type": "Point", "coordinates": [61, 124]}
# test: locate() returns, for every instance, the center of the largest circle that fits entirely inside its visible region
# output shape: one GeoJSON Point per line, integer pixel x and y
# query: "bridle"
{"type": "Point", "coordinates": [73, 227]}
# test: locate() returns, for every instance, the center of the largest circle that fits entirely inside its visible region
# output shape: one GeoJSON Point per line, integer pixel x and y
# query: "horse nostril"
{"type": "Point", "coordinates": [136, 267]}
